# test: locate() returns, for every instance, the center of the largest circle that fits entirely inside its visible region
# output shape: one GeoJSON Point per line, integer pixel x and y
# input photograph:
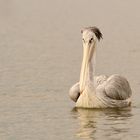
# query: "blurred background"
{"type": "Point", "coordinates": [40, 59]}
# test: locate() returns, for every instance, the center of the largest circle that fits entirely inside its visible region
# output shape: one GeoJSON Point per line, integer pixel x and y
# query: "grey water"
{"type": "Point", "coordinates": [40, 59]}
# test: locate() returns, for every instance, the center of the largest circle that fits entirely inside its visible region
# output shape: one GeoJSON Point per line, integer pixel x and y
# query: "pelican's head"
{"type": "Point", "coordinates": [90, 36]}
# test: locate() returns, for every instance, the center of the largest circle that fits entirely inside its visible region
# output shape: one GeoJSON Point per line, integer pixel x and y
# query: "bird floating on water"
{"type": "Point", "coordinates": [98, 91]}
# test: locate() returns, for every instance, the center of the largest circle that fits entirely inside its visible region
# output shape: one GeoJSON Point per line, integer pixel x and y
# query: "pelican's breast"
{"type": "Point", "coordinates": [89, 99]}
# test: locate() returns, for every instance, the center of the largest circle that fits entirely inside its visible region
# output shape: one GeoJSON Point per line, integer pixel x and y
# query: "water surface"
{"type": "Point", "coordinates": [40, 58]}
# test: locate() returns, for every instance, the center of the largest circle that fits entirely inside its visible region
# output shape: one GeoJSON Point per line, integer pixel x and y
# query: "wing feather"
{"type": "Point", "coordinates": [117, 88]}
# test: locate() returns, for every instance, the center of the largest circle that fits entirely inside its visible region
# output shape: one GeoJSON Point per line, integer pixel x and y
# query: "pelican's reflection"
{"type": "Point", "coordinates": [87, 119]}
{"type": "Point", "coordinates": [95, 123]}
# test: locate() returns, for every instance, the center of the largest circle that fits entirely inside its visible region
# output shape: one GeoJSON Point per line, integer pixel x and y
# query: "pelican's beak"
{"type": "Point", "coordinates": [88, 50]}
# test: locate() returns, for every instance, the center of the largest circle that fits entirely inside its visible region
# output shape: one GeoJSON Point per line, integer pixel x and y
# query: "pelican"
{"type": "Point", "coordinates": [98, 91]}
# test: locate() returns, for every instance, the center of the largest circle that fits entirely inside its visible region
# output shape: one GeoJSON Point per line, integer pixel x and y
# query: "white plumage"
{"type": "Point", "coordinates": [101, 91]}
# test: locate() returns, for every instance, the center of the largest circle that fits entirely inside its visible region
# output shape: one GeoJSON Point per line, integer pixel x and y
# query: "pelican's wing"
{"type": "Point", "coordinates": [117, 88]}
{"type": "Point", "coordinates": [74, 92]}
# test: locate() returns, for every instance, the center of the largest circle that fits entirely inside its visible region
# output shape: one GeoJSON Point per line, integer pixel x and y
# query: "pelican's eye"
{"type": "Point", "coordinates": [90, 41]}
{"type": "Point", "coordinates": [83, 40]}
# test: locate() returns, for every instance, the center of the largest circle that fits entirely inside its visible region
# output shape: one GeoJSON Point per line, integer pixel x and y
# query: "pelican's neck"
{"type": "Point", "coordinates": [91, 68]}
{"type": "Point", "coordinates": [88, 67]}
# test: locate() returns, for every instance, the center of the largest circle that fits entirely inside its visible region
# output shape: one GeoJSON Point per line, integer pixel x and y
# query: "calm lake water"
{"type": "Point", "coordinates": [40, 59]}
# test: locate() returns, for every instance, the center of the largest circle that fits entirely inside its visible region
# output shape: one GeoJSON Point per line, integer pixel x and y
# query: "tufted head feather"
{"type": "Point", "coordinates": [94, 30]}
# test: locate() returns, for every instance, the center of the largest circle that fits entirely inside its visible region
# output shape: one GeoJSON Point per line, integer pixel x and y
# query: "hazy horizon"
{"type": "Point", "coordinates": [40, 59]}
